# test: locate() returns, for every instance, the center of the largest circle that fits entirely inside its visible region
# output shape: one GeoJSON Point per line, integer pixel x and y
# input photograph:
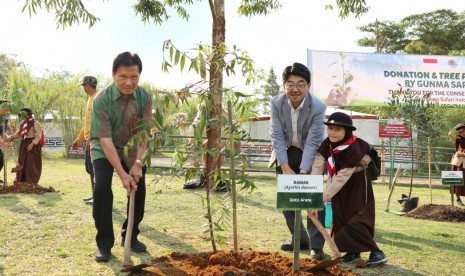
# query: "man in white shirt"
{"type": "Point", "coordinates": [297, 131]}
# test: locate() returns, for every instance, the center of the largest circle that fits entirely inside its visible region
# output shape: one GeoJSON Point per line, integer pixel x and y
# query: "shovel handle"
{"type": "Point", "coordinates": [127, 241]}
{"type": "Point", "coordinates": [335, 254]}
{"type": "Point", "coordinates": [388, 202]}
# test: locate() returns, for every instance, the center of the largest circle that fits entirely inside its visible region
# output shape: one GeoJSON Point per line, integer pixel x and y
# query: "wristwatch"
{"type": "Point", "coordinates": [138, 161]}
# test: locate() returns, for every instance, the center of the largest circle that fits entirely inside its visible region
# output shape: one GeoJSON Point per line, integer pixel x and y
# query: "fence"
{"type": "Point", "coordinates": [258, 154]}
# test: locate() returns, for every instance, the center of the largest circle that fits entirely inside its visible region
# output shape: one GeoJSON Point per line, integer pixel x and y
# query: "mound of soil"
{"type": "Point", "coordinates": [226, 263]}
{"type": "Point", "coordinates": [435, 212]}
{"type": "Point", "coordinates": [25, 188]}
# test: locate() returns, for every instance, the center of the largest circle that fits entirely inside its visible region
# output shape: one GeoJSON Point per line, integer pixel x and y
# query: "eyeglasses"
{"type": "Point", "coordinates": [299, 85]}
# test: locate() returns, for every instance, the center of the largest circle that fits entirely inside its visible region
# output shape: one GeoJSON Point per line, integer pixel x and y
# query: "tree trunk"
{"type": "Point", "coordinates": [215, 100]}
{"type": "Point", "coordinates": [216, 86]}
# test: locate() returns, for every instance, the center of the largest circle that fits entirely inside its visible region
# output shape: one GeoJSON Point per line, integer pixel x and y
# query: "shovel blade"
{"type": "Point", "coordinates": [324, 264]}
{"type": "Point", "coordinates": [129, 268]}
{"type": "Point", "coordinates": [17, 169]}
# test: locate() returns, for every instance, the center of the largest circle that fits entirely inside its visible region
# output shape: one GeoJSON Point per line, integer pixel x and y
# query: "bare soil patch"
{"type": "Point", "coordinates": [444, 213]}
{"type": "Point", "coordinates": [226, 263]}
{"type": "Point", "coordinates": [25, 188]}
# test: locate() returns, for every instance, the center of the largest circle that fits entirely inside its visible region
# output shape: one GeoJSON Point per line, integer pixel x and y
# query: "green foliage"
{"type": "Point", "coordinates": [156, 12]}
{"type": "Point", "coordinates": [8, 65]}
{"type": "Point", "coordinates": [438, 30]}
{"type": "Point", "coordinates": [424, 118]}
{"type": "Point", "coordinates": [202, 63]}
{"type": "Point", "coordinates": [257, 7]}
{"type": "Point", "coordinates": [386, 36]}
{"type": "Point", "coordinates": [67, 12]}
{"type": "Point", "coordinates": [419, 47]}
{"type": "Point", "coordinates": [17, 82]}
{"type": "Point", "coordinates": [457, 52]}
{"type": "Point", "coordinates": [57, 95]}
{"type": "Point", "coordinates": [432, 33]}
{"type": "Point", "coordinates": [69, 109]}
{"type": "Point", "coordinates": [270, 89]}
{"type": "Point", "coordinates": [347, 7]}
{"type": "Point", "coordinates": [217, 211]}
{"type": "Point", "coordinates": [405, 104]}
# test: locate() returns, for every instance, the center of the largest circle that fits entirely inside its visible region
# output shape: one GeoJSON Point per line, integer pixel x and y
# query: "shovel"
{"type": "Point", "coordinates": [18, 167]}
{"type": "Point", "coordinates": [128, 264]}
{"type": "Point", "coordinates": [335, 254]}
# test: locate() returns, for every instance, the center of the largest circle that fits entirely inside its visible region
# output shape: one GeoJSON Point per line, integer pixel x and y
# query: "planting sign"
{"type": "Point", "coordinates": [454, 178]}
{"type": "Point", "coordinates": [341, 79]}
{"type": "Point", "coordinates": [300, 192]}
{"type": "Point", "coordinates": [393, 130]}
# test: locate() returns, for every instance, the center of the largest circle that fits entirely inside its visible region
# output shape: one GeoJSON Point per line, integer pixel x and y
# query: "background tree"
{"type": "Point", "coordinates": [8, 64]}
{"type": "Point", "coordinates": [270, 89]}
{"type": "Point", "coordinates": [56, 98]}
{"type": "Point", "coordinates": [386, 37]}
{"type": "Point", "coordinates": [348, 7]}
{"type": "Point", "coordinates": [440, 32]}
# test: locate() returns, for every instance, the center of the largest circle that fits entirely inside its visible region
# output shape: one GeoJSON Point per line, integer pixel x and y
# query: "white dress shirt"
{"type": "Point", "coordinates": [295, 116]}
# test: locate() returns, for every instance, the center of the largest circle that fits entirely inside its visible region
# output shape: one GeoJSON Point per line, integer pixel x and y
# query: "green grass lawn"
{"type": "Point", "coordinates": [54, 234]}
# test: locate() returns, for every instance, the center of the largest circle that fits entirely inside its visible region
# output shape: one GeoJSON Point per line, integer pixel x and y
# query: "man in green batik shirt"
{"type": "Point", "coordinates": [119, 112]}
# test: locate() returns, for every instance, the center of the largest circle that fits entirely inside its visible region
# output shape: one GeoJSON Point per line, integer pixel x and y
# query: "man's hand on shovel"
{"type": "Point", "coordinates": [129, 183]}
{"type": "Point", "coordinates": [131, 179]}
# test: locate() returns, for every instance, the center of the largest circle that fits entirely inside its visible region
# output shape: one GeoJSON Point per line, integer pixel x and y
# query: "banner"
{"type": "Point", "coordinates": [341, 79]}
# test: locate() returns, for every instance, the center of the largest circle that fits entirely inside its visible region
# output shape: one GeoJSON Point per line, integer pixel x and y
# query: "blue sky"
{"type": "Point", "coordinates": [275, 40]}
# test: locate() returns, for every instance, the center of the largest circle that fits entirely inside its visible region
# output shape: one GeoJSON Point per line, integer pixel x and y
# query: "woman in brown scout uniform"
{"type": "Point", "coordinates": [349, 189]}
{"type": "Point", "coordinates": [457, 136]}
{"type": "Point", "coordinates": [30, 150]}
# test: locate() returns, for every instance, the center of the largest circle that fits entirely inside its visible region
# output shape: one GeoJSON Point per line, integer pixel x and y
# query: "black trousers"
{"type": "Point", "coordinates": [312, 236]}
{"type": "Point", "coordinates": [88, 164]}
{"type": "Point", "coordinates": [89, 168]}
{"type": "Point", "coordinates": [102, 206]}
{"type": "Point", "coordinates": [1, 160]}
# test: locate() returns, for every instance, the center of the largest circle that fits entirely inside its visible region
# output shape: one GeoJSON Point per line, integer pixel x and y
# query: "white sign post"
{"type": "Point", "coordinates": [452, 178]}
{"type": "Point", "coordinates": [299, 192]}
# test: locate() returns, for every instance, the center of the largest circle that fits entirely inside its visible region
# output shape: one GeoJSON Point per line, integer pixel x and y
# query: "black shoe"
{"type": "Point", "coordinates": [88, 198]}
{"type": "Point", "coordinates": [103, 254]}
{"type": "Point", "coordinates": [136, 246]}
{"type": "Point", "coordinates": [350, 258]}
{"type": "Point", "coordinates": [193, 184]}
{"type": "Point", "coordinates": [459, 202]}
{"type": "Point", "coordinates": [1, 181]}
{"type": "Point", "coordinates": [317, 254]}
{"type": "Point", "coordinates": [290, 247]}
{"type": "Point", "coordinates": [377, 258]}
{"type": "Point", "coordinates": [222, 186]}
